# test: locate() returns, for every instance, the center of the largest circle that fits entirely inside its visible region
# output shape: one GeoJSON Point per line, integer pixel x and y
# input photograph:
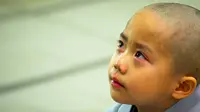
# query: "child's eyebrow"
{"type": "Point", "coordinates": [138, 45]}
{"type": "Point", "coordinates": [143, 46]}
{"type": "Point", "coordinates": [124, 37]}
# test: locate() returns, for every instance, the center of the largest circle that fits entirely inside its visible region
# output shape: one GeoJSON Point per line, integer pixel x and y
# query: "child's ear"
{"type": "Point", "coordinates": [185, 87]}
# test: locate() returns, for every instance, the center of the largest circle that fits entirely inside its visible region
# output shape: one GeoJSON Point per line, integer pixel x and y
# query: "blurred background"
{"type": "Point", "coordinates": [54, 53]}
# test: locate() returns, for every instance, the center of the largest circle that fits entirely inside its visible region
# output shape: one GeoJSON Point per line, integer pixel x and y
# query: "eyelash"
{"type": "Point", "coordinates": [121, 49]}
{"type": "Point", "coordinates": [120, 42]}
{"type": "Point", "coordinates": [140, 53]}
{"type": "Point", "coordinates": [120, 46]}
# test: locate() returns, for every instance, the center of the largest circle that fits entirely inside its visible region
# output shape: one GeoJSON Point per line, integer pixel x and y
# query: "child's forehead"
{"type": "Point", "coordinates": [150, 28]}
{"type": "Point", "coordinates": [147, 25]}
{"type": "Point", "coordinates": [148, 22]}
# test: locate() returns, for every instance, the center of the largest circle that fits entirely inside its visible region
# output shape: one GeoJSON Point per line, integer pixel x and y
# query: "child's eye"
{"type": "Point", "coordinates": [120, 44]}
{"type": "Point", "coordinates": [140, 55]}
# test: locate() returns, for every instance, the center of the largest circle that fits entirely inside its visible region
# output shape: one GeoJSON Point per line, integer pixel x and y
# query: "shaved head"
{"type": "Point", "coordinates": [184, 42]}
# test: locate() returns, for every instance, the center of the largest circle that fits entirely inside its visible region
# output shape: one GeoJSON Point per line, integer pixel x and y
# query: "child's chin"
{"type": "Point", "coordinates": [120, 99]}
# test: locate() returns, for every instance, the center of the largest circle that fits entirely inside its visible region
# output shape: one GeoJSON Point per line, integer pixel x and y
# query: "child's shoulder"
{"type": "Point", "coordinates": [189, 104]}
{"type": "Point", "coordinates": [120, 108]}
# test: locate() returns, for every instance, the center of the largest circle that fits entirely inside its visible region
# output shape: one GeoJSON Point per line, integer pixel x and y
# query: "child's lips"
{"type": "Point", "coordinates": [114, 79]}
{"type": "Point", "coordinates": [116, 83]}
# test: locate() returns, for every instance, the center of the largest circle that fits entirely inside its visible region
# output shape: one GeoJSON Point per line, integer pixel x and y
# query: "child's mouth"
{"type": "Point", "coordinates": [115, 83]}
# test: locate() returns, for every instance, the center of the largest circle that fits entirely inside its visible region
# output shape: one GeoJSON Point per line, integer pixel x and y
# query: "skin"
{"type": "Point", "coordinates": [143, 65]}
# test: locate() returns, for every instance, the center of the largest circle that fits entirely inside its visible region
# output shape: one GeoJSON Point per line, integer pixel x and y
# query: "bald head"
{"type": "Point", "coordinates": [184, 42]}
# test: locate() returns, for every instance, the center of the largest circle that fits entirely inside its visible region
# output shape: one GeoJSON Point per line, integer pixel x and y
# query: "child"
{"type": "Point", "coordinates": [156, 66]}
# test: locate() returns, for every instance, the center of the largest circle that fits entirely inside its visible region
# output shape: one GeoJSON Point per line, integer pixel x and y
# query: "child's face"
{"type": "Point", "coordinates": [142, 63]}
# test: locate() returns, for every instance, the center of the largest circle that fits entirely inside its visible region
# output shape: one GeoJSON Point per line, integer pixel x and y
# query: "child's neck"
{"type": "Point", "coordinates": [150, 109]}
{"type": "Point", "coordinates": [156, 108]}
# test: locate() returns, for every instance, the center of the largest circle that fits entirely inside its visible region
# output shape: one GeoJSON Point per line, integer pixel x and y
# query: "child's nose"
{"type": "Point", "coordinates": [121, 65]}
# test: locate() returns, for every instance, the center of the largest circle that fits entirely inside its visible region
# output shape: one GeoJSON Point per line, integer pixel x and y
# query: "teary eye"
{"type": "Point", "coordinates": [140, 55]}
{"type": "Point", "coordinates": [120, 44]}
